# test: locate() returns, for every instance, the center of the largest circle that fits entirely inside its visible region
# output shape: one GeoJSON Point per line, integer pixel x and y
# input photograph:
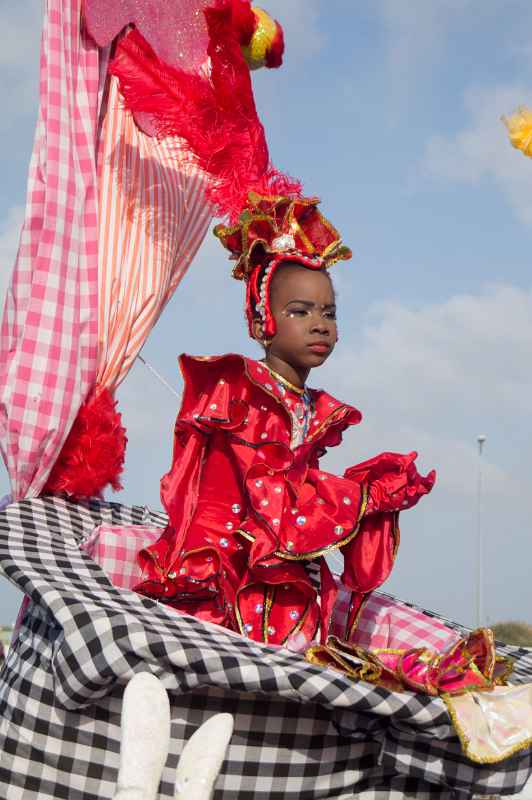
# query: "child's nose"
{"type": "Point", "coordinates": [320, 325]}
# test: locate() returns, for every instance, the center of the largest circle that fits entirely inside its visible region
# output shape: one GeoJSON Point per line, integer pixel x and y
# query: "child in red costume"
{"type": "Point", "coordinates": [252, 515]}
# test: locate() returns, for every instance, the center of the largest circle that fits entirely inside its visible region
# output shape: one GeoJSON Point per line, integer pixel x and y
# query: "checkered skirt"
{"type": "Point", "coordinates": [300, 731]}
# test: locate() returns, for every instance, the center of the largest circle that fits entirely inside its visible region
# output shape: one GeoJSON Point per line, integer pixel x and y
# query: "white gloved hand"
{"type": "Point", "coordinates": [145, 738]}
{"type": "Point", "coordinates": [202, 758]}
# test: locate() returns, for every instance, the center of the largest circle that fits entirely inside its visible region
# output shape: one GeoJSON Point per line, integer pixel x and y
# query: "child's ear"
{"type": "Point", "coordinates": [257, 329]}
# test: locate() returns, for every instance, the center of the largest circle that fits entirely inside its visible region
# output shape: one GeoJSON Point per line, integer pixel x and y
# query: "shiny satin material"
{"type": "Point", "coordinates": [246, 512]}
{"type": "Point", "coordinates": [468, 665]}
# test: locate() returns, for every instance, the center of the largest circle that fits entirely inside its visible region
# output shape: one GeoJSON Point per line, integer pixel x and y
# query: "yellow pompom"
{"type": "Point", "coordinates": [519, 127]}
{"type": "Point", "coordinates": [265, 32]}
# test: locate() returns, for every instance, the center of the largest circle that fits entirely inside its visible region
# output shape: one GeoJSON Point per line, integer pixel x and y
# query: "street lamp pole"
{"type": "Point", "coordinates": [481, 440]}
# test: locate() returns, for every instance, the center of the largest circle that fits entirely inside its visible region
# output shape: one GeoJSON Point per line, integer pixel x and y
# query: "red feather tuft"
{"type": "Point", "coordinates": [94, 451]}
{"type": "Point", "coordinates": [274, 56]}
{"type": "Point", "coordinates": [216, 116]}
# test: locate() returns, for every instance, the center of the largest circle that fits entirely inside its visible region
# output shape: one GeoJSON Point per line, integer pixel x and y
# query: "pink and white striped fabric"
{"type": "Point", "coordinates": [48, 340]}
{"type": "Point", "coordinates": [153, 216]}
{"type": "Point", "coordinates": [89, 283]}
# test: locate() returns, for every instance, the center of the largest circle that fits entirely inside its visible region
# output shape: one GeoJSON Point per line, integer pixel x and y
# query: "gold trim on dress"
{"type": "Point", "coordinates": [329, 547]}
{"type": "Point", "coordinates": [297, 389]}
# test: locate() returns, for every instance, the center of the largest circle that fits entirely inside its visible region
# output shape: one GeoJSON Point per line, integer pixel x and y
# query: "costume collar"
{"type": "Point", "coordinates": [328, 411]}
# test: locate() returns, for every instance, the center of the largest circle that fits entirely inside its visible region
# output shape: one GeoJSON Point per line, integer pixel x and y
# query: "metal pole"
{"type": "Point", "coordinates": [481, 439]}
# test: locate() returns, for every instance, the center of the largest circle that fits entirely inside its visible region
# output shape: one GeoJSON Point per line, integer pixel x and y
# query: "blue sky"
{"type": "Point", "coordinates": [390, 111]}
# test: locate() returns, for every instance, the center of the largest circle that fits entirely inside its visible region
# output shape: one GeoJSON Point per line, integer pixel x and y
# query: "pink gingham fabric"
{"type": "Point", "coordinates": [48, 337]}
{"type": "Point", "coordinates": [115, 549]}
{"type": "Point", "coordinates": [384, 621]}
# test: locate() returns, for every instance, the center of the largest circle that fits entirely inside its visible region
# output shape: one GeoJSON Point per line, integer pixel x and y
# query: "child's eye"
{"type": "Point", "coordinates": [298, 312]}
{"type": "Point", "coordinates": [330, 315]}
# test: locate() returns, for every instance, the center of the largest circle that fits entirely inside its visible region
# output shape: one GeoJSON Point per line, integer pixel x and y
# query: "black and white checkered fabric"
{"type": "Point", "coordinates": [300, 732]}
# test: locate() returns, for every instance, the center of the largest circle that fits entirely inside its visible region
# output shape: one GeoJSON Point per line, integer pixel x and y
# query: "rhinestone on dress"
{"type": "Point", "coordinates": [265, 502]}
{"type": "Point", "coordinates": [248, 628]}
{"type": "Point", "coordinates": [264, 408]}
{"type": "Point", "coordinates": [294, 510]}
{"type": "Point", "coordinates": [301, 520]}
{"type": "Point", "coordinates": [172, 575]}
{"type": "Point", "coordinates": [294, 615]}
{"type": "Point", "coordinates": [264, 436]}
{"type": "Point", "coordinates": [182, 571]}
{"type": "Point", "coordinates": [224, 542]}
{"type": "Point", "coordinates": [259, 608]}
{"type": "Point", "coordinates": [338, 530]}
{"type": "Point", "coordinates": [271, 630]}
{"type": "Point", "coordinates": [405, 503]}
{"type": "Point", "coordinates": [323, 477]}
{"type": "Point", "coordinates": [258, 484]}
{"type": "Point", "coordinates": [321, 501]}
{"type": "Point", "coordinates": [236, 509]}
{"type": "Point", "coordinates": [221, 382]}
{"type": "Point", "coordinates": [278, 489]}
{"type": "Point", "coordinates": [268, 386]}
{"type": "Point", "coordinates": [276, 521]}
{"type": "Point", "coordinates": [213, 406]}
{"type": "Point", "coordinates": [229, 526]}
{"type": "Point", "coordinates": [347, 501]}
{"type": "Point", "coordinates": [289, 545]}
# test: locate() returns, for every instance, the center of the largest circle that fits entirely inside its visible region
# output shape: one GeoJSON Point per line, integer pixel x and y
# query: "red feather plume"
{"type": "Point", "coordinates": [215, 115]}
{"type": "Point", "coordinates": [94, 451]}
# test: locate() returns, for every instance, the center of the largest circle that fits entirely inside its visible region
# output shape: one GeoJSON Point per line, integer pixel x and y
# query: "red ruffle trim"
{"type": "Point", "coordinates": [93, 455]}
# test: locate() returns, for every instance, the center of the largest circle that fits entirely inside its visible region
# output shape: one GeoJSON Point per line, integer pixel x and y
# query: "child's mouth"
{"type": "Point", "coordinates": [320, 347]}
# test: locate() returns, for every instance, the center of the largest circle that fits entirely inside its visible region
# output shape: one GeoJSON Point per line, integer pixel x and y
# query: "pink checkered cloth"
{"type": "Point", "coordinates": [384, 621]}
{"type": "Point", "coordinates": [48, 338]}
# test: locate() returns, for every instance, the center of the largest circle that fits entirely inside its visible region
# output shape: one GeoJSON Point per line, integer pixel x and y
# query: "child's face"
{"type": "Point", "coordinates": [303, 306]}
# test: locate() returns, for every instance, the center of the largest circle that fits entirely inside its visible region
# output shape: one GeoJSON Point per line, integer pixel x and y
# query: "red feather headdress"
{"type": "Point", "coordinates": [215, 115]}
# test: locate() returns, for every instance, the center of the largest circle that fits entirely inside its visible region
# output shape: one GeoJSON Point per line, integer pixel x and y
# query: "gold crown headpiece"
{"type": "Point", "coordinates": [271, 230]}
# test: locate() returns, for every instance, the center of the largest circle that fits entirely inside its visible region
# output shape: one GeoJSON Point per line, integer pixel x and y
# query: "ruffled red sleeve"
{"type": "Point", "coordinates": [393, 484]}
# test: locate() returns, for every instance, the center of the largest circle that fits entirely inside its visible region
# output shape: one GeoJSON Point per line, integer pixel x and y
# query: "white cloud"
{"type": "Point", "coordinates": [432, 379]}
{"type": "Point", "coordinates": [9, 238]}
{"type": "Point", "coordinates": [481, 150]}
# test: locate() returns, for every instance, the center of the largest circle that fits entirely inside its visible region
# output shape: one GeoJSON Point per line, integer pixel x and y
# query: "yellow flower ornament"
{"type": "Point", "coordinates": [519, 127]}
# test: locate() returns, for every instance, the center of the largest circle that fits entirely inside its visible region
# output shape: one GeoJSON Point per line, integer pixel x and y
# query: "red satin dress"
{"type": "Point", "coordinates": [249, 508]}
